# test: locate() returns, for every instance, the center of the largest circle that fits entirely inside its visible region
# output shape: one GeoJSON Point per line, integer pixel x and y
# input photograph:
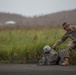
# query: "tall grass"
{"type": "Point", "coordinates": [25, 46]}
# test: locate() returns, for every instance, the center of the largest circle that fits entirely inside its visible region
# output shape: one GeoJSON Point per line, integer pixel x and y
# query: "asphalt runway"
{"type": "Point", "coordinates": [33, 69]}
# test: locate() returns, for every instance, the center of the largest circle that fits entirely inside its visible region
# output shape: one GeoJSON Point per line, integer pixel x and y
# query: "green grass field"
{"type": "Point", "coordinates": [25, 46]}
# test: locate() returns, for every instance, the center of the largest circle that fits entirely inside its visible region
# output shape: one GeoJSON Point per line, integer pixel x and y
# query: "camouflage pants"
{"type": "Point", "coordinates": [70, 46]}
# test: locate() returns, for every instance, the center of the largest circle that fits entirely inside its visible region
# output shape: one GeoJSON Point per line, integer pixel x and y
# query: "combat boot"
{"type": "Point", "coordinates": [66, 62]}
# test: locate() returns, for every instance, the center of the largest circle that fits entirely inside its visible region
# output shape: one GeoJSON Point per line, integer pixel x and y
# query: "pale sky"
{"type": "Point", "coordinates": [36, 7]}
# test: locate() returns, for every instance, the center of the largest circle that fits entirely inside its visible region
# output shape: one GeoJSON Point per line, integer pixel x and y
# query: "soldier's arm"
{"type": "Point", "coordinates": [61, 40]}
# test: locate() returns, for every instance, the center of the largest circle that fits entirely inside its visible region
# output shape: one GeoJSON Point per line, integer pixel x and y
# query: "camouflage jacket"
{"type": "Point", "coordinates": [69, 34]}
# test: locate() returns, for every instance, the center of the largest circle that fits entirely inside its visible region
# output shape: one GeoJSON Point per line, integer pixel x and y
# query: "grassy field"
{"type": "Point", "coordinates": [25, 46]}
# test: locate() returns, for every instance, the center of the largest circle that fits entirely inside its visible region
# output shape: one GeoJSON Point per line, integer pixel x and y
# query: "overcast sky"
{"type": "Point", "coordinates": [36, 7]}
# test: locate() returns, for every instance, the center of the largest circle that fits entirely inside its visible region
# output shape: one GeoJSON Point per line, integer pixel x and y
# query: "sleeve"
{"type": "Point", "coordinates": [62, 39]}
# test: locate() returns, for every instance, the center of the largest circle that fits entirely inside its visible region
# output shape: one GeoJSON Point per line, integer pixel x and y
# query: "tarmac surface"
{"type": "Point", "coordinates": [33, 69]}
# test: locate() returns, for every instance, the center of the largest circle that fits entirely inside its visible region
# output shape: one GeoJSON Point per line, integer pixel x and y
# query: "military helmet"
{"type": "Point", "coordinates": [46, 48]}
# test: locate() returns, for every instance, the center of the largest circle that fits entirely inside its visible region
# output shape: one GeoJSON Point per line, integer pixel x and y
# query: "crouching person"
{"type": "Point", "coordinates": [50, 56]}
{"type": "Point", "coordinates": [70, 33]}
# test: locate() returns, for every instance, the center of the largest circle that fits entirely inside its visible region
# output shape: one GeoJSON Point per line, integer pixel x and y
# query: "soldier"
{"type": "Point", "coordinates": [70, 33]}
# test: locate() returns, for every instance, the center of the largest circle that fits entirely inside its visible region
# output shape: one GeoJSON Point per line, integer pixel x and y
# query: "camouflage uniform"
{"type": "Point", "coordinates": [50, 56]}
{"type": "Point", "coordinates": [71, 45]}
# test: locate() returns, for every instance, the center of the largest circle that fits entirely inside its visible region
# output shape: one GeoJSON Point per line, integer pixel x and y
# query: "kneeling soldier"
{"type": "Point", "coordinates": [70, 33]}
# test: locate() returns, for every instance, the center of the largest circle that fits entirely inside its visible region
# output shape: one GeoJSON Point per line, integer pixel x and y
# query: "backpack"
{"type": "Point", "coordinates": [61, 55]}
{"type": "Point", "coordinates": [50, 56]}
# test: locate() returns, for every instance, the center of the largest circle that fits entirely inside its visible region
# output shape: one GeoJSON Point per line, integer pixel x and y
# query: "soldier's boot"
{"type": "Point", "coordinates": [66, 58]}
{"type": "Point", "coordinates": [66, 62]}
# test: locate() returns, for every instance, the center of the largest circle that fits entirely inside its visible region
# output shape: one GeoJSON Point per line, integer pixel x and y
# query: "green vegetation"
{"type": "Point", "coordinates": [25, 46]}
